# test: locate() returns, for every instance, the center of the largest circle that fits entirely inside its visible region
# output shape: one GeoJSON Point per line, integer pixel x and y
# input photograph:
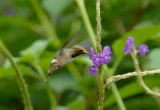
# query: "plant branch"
{"type": "Point", "coordinates": [99, 50]}
{"type": "Point", "coordinates": [22, 84]}
{"type": "Point", "coordinates": [128, 75]}
{"type": "Point", "coordinates": [139, 77]}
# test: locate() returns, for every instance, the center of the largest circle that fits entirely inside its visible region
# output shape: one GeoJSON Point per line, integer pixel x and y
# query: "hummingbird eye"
{"type": "Point", "coordinates": [81, 51]}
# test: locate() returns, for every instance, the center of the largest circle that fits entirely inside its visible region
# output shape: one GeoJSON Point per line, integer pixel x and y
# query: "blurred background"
{"type": "Point", "coordinates": [34, 30]}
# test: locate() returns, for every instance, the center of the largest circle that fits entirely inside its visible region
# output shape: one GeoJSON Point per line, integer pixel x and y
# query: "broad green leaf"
{"type": "Point", "coordinates": [7, 63]}
{"type": "Point", "coordinates": [10, 72]}
{"type": "Point", "coordinates": [144, 24]}
{"type": "Point", "coordinates": [132, 89]}
{"type": "Point", "coordinates": [34, 51]}
{"type": "Point", "coordinates": [37, 47]}
{"type": "Point", "coordinates": [140, 36]}
{"type": "Point", "coordinates": [55, 7]}
{"type": "Point", "coordinates": [62, 82]}
{"type": "Point", "coordinates": [77, 104]}
{"type": "Point", "coordinates": [154, 58]}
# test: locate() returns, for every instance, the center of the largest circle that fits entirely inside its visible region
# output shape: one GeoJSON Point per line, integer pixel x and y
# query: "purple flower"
{"type": "Point", "coordinates": [107, 50]}
{"type": "Point", "coordinates": [99, 59]}
{"type": "Point", "coordinates": [105, 58]}
{"type": "Point", "coordinates": [91, 53]}
{"type": "Point", "coordinates": [129, 45]}
{"type": "Point", "coordinates": [93, 70]}
{"type": "Point", "coordinates": [143, 49]}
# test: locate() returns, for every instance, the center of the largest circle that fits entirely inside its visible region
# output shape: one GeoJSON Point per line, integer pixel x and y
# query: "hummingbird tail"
{"type": "Point", "coordinates": [47, 77]}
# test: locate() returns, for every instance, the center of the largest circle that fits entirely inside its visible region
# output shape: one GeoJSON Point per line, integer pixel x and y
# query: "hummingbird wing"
{"type": "Point", "coordinates": [85, 44]}
{"type": "Point", "coordinates": [70, 43]}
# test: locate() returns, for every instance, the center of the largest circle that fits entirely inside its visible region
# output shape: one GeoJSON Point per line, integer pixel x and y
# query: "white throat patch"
{"type": "Point", "coordinates": [54, 61]}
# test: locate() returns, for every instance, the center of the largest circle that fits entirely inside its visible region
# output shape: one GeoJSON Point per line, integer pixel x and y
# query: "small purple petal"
{"type": "Point", "coordinates": [107, 50]}
{"type": "Point", "coordinates": [93, 70]}
{"type": "Point", "coordinates": [143, 49]}
{"type": "Point", "coordinates": [105, 59]}
{"type": "Point", "coordinates": [97, 60]}
{"type": "Point", "coordinates": [129, 45]}
{"type": "Point", "coordinates": [91, 53]}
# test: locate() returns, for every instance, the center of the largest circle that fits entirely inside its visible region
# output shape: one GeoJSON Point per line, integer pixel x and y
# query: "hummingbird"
{"type": "Point", "coordinates": [67, 53]}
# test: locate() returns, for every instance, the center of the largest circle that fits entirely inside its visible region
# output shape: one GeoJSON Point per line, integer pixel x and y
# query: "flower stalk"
{"type": "Point", "coordinates": [139, 76]}
{"type": "Point", "coordinates": [99, 50]}
{"type": "Point", "coordinates": [22, 84]}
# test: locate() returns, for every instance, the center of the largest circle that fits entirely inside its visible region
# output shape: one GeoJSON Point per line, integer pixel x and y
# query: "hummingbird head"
{"type": "Point", "coordinates": [78, 50]}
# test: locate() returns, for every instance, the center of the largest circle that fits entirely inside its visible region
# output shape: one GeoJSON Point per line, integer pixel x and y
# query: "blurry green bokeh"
{"type": "Point", "coordinates": [23, 33]}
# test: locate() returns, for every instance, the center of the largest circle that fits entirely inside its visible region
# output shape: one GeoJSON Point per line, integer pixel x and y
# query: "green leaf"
{"type": "Point", "coordinates": [62, 82]}
{"type": "Point", "coordinates": [78, 104]}
{"type": "Point", "coordinates": [34, 51]}
{"type": "Point", "coordinates": [140, 36]}
{"type": "Point", "coordinates": [55, 7]}
{"type": "Point", "coordinates": [132, 89]}
{"type": "Point", "coordinates": [7, 63]}
{"type": "Point", "coordinates": [9, 72]}
{"type": "Point", "coordinates": [154, 58]}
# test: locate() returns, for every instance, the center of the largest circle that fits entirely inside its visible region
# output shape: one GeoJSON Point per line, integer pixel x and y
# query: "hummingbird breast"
{"type": "Point", "coordinates": [64, 58]}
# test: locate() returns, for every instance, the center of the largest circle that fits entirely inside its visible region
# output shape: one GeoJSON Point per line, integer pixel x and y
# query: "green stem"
{"type": "Point", "coordinates": [99, 49]}
{"type": "Point", "coordinates": [49, 90]}
{"type": "Point", "coordinates": [139, 77]}
{"type": "Point", "coordinates": [118, 97]}
{"type": "Point", "coordinates": [101, 88]}
{"type": "Point", "coordinates": [115, 66]}
{"type": "Point", "coordinates": [45, 22]}
{"type": "Point", "coordinates": [22, 84]}
{"type": "Point", "coordinates": [87, 23]}
{"type": "Point", "coordinates": [114, 87]}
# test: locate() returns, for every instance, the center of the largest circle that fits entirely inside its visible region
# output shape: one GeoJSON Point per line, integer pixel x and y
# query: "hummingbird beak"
{"type": "Point", "coordinates": [85, 52]}
{"type": "Point", "coordinates": [49, 72]}
{"type": "Point", "coordinates": [47, 77]}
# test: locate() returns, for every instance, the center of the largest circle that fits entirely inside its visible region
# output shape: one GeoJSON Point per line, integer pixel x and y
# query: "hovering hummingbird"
{"type": "Point", "coordinates": [67, 53]}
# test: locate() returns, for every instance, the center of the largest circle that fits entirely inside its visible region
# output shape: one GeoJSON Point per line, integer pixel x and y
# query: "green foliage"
{"type": "Point", "coordinates": [78, 104]}
{"type": "Point", "coordinates": [154, 54]}
{"type": "Point", "coordinates": [55, 7]}
{"type": "Point", "coordinates": [133, 89]}
{"type": "Point", "coordinates": [140, 35]}
{"type": "Point", "coordinates": [26, 34]}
